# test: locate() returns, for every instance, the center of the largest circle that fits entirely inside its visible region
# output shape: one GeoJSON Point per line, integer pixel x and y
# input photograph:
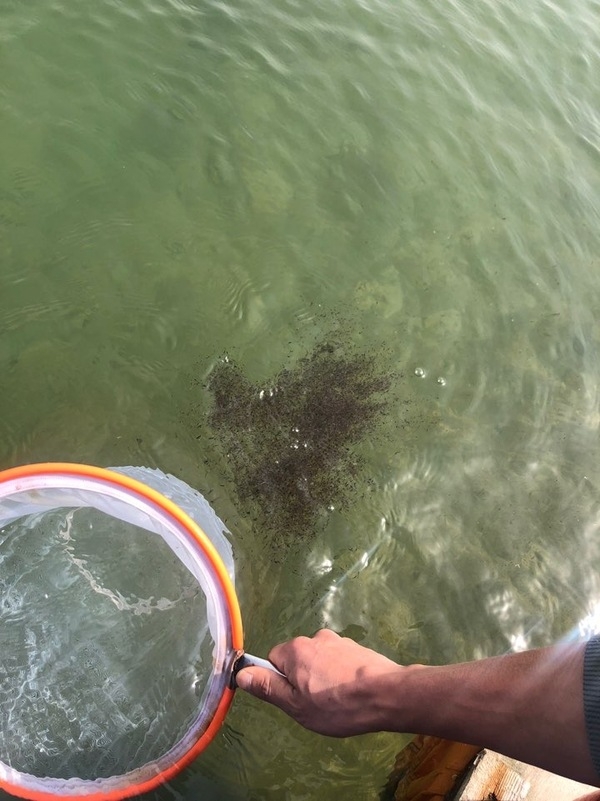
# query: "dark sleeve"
{"type": "Point", "coordinates": [591, 698]}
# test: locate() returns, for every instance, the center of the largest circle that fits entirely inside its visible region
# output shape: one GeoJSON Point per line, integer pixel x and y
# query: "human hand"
{"type": "Point", "coordinates": [332, 685]}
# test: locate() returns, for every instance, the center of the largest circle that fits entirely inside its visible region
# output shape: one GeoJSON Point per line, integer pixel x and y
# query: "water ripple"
{"type": "Point", "coordinates": [183, 179]}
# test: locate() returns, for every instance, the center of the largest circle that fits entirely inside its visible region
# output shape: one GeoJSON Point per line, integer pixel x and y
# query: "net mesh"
{"type": "Point", "coordinates": [106, 647]}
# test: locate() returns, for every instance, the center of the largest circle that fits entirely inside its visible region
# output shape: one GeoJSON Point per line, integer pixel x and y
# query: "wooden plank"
{"type": "Point", "coordinates": [494, 777]}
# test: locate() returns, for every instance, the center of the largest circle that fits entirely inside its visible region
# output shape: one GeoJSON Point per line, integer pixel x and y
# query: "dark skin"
{"type": "Point", "coordinates": [527, 705]}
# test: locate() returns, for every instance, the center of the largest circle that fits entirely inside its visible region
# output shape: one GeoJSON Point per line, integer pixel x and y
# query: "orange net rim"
{"type": "Point", "coordinates": [223, 579]}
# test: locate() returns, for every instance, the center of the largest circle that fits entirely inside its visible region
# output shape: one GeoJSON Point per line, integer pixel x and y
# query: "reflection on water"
{"type": "Point", "coordinates": [185, 180]}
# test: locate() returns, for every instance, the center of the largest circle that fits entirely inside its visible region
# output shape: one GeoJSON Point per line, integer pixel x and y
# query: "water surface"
{"type": "Point", "coordinates": [186, 180]}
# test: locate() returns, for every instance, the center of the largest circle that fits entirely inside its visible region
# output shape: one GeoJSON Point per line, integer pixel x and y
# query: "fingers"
{"type": "Point", "coordinates": [290, 656]}
{"type": "Point", "coordinates": [285, 656]}
{"type": "Point", "coordinates": [266, 685]}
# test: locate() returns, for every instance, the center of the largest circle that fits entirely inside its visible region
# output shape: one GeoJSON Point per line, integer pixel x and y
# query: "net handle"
{"type": "Point", "coordinates": [24, 473]}
{"type": "Point", "coordinates": [245, 660]}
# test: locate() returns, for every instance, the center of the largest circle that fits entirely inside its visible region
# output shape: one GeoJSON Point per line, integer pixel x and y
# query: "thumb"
{"type": "Point", "coordinates": [265, 684]}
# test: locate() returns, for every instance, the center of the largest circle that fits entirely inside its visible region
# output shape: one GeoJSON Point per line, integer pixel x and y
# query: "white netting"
{"type": "Point", "coordinates": [115, 640]}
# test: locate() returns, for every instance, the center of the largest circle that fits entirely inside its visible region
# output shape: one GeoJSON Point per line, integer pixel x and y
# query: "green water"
{"type": "Point", "coordinates": [182, 180]}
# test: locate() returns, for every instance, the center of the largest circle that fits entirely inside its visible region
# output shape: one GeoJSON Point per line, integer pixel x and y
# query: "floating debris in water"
{"type": "Point", "coordinates": [290, 441]}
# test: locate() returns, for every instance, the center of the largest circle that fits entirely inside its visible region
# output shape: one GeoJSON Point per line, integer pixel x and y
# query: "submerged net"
{"type": "Point", "coordinates": [107, 641]}
{"type": "Point", "coordinates": [105, 645]}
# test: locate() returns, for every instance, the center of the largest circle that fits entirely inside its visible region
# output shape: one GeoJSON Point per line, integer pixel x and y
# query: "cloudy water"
{"type": "Point", "coordinates": [187, 182]}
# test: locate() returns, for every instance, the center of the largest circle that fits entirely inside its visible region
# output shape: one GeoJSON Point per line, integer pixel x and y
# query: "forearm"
{"type": "Point", "coordinates": [527, 705]}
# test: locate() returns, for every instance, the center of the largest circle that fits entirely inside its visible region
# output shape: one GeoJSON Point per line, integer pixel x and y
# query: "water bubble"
{"type": "Point", "coordinates": [441, 381]}
{"type": "Point", "coordinates": [419, 372]}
